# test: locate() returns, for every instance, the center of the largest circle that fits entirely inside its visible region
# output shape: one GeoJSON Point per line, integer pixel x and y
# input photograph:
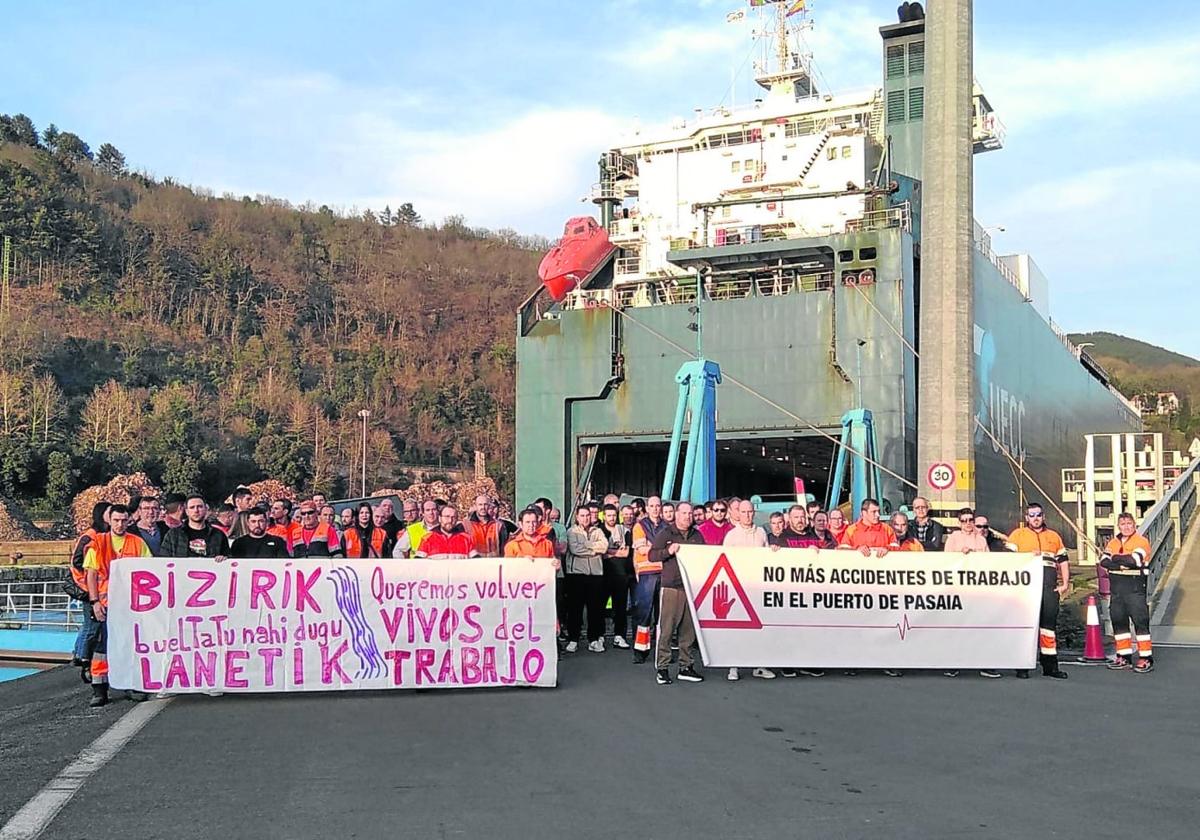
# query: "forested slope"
{"type": "Point", "coordinates": [149, 326]}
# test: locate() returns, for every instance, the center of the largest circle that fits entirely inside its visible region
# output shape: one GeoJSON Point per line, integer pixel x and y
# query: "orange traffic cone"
{"type": "Point", "coordinates": [1093, 640]}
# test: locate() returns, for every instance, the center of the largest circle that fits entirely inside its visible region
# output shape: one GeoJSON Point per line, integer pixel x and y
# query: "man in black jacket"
{"type": "Point", "coordinates": [195, 537]}
{"type": "Point", "coordinates": [675, 614]}
{"type": "Point", "coordinates": [256, 542]}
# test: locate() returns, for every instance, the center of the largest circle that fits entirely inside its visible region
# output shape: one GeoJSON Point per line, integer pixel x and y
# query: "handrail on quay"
{"type": "Point", "coordinates": [1167, 521]}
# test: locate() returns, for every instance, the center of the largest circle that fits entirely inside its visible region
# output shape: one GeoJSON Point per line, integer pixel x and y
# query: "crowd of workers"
{"type": "Point", "coordinates": [613, 556]}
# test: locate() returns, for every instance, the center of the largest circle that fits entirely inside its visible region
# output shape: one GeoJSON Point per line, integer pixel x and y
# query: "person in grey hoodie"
{"type": "Point", "coordinates": [584, 579]}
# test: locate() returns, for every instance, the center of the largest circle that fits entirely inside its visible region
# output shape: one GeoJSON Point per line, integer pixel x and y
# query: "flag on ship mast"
{"type": "Point", "coordinates": [797, 6]}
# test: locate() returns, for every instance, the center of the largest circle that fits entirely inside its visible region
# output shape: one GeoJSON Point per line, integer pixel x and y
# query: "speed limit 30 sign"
{"type": "Point", "coordinates": [941, 476]}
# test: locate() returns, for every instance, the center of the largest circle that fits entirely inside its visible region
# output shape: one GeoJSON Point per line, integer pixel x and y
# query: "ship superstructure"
{"type": "Point", "coordinates": [797, 221]}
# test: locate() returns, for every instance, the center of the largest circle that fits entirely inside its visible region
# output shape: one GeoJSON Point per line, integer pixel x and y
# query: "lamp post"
{"type": "Point", "coordinates": [364, 414]}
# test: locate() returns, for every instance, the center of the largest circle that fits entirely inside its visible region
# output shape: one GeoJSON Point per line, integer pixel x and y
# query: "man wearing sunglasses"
{"type": "Point", "coordinates": [1035, 538]}
{"type": "Point", "coordinates": [717, 525]}
{"type": "Point", "coordinates": [312, 538]}
{"type": "Point", "coordinates": [967, 538]}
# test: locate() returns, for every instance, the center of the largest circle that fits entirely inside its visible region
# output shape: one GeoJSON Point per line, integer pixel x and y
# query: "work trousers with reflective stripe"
{"type": "Point", "coordinates": [674, 613]}
{"type": "Point", "coordinates": [1129, 604]}
{"type": "Point", "coordinates": [100, 655]}
{"type": "Point", "coordinates": [1048, 621]}
{"type": "Point", "coordinates": [645, 598]}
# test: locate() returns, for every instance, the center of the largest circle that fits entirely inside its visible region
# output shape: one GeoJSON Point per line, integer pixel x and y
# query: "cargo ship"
{"type": "Point", "coordinates": [784, 240]}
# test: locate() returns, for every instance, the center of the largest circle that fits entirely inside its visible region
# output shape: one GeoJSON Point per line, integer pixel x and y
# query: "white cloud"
{"type": "Point", "coordinates": [681, 47]}
{"type": "Point", "coordinates": [1117, 191]}
{"type": "Point", "coordinates": [1107, 82]}
{"type": "Point", "coordinates": [505, 175]}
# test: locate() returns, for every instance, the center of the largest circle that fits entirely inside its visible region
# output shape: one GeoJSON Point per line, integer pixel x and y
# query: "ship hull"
{"type": "Point", "coordinates": [584, 427]}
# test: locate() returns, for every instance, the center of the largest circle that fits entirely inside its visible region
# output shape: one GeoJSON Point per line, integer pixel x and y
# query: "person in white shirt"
{"type": "Point", "coordinates": [745, 534]}
{"type": "Point", "coordinates": [967, 538]}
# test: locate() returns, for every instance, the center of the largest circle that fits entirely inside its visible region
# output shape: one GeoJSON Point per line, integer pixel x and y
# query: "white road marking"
{"type": "Point", "coordinates": [33, 818]}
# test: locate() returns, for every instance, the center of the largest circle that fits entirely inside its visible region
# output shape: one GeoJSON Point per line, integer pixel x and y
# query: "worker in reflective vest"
{"type": "Point", "coordinates": [312, 538]}
{"type": "Point", "coordinates": [649, 576]}
{"type": "Point", "coordinates": [76, 588]}
{"type": "Point", "coordinates": [364, 538]}
{"type": "Point", "coordinates": [1127, 559]}
{"type": "Point", "coordinates": [1035, 538]}
{"type": "Point", "coordinates": [97, 561]}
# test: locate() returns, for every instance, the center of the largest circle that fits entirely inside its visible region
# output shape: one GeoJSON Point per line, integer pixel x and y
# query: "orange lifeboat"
{"type": "Point", "coordinates": [583, 248]}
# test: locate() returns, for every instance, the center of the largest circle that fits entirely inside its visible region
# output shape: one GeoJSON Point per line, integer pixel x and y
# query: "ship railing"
{"type": "Point", "coordinates": [588, 299]}
{"type": "Point", "coordinates": [899, 216]}
{"type": "Point", "coordinates": [718, 287]}
{"type": "Point", "coordinates": [43, 604]}
{"type": "Point", "coordinates": [1104, 483]}
{"type": "Point", "coordinates": [533, 309]}
{"type": "Point", "coordinates": [630, 265]}
{"type": "Point", "coordinates": [983, 243]}
{"type": "Point", "coordinates": [625, 228]}
{"type": "Point", "coordinates": [1165, 524]}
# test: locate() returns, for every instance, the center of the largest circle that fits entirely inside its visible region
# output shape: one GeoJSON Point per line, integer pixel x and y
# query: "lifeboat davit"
{"type": "Point", "coordinates": [583, 248]}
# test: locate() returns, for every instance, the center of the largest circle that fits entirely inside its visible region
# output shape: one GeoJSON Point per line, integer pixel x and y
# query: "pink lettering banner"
{"type": "Point", "coordinates": [185, 626]}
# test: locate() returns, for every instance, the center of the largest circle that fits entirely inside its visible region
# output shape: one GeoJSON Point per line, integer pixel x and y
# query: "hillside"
{"type": "Point", "coordinates": [150, 326]}
{"type": "Point", "coordinates": [1139, 368]}
{"type": "Point", "coordinates": [1132, 352]}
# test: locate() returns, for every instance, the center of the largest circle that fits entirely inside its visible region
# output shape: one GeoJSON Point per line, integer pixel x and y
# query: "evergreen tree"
{"type": "Point", "coordinates": [70, 146]}
{"type": "Point", "coordinates": [407, 216]}
{"type": "Point", "coordinates": [110, 160]}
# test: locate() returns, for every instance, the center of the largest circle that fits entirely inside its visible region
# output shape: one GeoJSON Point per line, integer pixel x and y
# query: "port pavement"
{"type": "Point", "coordinates": [609, 754]}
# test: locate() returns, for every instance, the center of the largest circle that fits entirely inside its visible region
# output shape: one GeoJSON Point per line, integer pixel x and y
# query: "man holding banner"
{"type": "Point", "coordinates": [105, 548]}
{"type": "Point", "coordinates": [1035, 538]}
{"type": "Point", "coordinates": [868, 534]}
{"type": "Point", "coordinates": [674, 611]}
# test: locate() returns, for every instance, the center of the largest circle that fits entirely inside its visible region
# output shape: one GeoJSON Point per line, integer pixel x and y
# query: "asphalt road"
{"type": "Point", "coordinates": [610, 754]}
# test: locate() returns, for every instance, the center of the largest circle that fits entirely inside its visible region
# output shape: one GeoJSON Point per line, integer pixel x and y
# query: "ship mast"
{"type": "Point", "coordinates": [790, 76]}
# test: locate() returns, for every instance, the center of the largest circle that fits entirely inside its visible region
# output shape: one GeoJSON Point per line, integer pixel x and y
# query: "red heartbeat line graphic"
{"type": "Point", "coordinates": [904, 626]}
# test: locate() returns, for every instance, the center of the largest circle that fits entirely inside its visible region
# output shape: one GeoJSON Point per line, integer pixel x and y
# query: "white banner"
{"type": "Point", "coordinates": [830, 609]}
{"type": "Point", "coordinates": [330, 624]}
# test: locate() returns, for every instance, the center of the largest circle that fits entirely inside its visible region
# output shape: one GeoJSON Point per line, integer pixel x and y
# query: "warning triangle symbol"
{"type": "Point", "coordinates": [722, 602]}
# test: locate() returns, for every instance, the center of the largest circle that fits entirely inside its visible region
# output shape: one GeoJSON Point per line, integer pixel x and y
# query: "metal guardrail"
{"type": "Point", "coordinates": [1165, 524]}
{"type": "Point", "coordinates": [39, 604]}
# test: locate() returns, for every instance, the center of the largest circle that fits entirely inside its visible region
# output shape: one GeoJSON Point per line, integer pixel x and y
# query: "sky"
{"type": "Point", "coordinates": [498, 111]}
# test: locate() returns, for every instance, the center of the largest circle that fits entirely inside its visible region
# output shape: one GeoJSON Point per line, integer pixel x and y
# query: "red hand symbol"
{"type": "Point", "coordinates": [721, 600]}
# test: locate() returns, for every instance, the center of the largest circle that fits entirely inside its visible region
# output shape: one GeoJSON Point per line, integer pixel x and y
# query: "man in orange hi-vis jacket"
{"type": "Point", "coordinates": [1127, 559]}
{"type": "Point", "coordinates": [105, 548]}
{"type": "Point", "coordinates": [1035, 538]}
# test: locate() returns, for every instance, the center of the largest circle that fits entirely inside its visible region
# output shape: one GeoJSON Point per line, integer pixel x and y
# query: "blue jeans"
{"type": "Point", "coordinates": [85, 642]}
{"type": "Point", "coordinates": [645, 597]}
